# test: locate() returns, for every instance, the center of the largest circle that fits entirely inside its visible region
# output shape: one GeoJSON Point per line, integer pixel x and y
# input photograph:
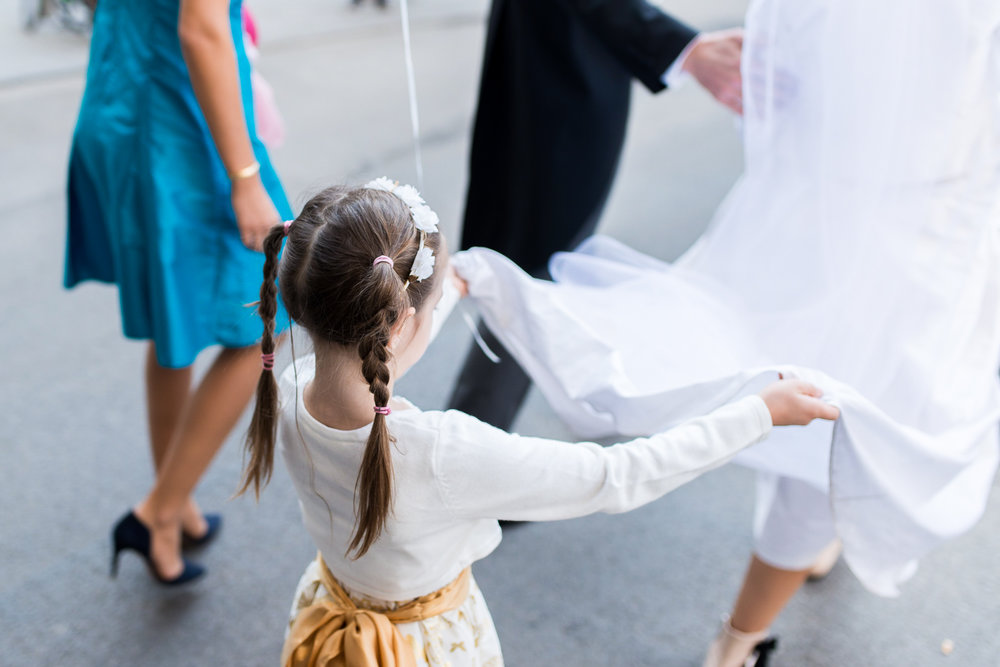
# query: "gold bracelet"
{"type": "Point", "coordinates": [245, 172]}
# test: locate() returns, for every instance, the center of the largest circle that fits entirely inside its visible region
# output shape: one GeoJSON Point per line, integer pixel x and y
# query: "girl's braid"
{"type": "Point", "coordinates": [259, 446]}
{"type": "Point", "coordinates": [373, 489]}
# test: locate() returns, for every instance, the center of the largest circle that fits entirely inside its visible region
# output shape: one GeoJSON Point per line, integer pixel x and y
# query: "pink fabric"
{"type": "Point", "coordinates": [270, 127]}
{"type": "Point", "coordinates": [249, 25]}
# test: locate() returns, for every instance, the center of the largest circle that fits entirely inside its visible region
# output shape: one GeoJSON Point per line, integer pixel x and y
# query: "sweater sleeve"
{"type": "Point", "coordinates": [443, 309]}
{"type": "Point", "coordinates": [640, 35]}
{"type": "Point", "coordinates": [484, 472]}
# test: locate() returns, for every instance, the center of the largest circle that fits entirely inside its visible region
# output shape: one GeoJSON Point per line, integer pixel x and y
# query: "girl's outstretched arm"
{"type": "Point", "coordinates": [483, 472]}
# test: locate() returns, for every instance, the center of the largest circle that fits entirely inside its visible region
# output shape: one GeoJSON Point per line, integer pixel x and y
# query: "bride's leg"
{"type": "Point", "coordinates": [794, 526]}
{"type": "Point", "coordinates": [765, 592]}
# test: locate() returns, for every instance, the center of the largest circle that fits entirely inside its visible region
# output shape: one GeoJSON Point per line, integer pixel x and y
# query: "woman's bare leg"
{"type": "Point", "coordinates": [168, 391]}
{"type": "Point", "coordinates": [765, 592]}
{"type": "Point", "coordinates": [206, 419]}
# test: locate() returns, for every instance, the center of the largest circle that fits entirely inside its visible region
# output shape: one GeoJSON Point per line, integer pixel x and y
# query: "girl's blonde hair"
{"type": "Point", "coordinates": [332, 289]}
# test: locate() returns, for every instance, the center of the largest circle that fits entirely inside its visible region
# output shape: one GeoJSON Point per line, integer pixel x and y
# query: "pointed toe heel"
{"type": "Point", "coordinates": [214, 522]}
{"type": "Point", "coordinates": [114, 559]}
{"type": "Point", "coordinates": [130, 534]}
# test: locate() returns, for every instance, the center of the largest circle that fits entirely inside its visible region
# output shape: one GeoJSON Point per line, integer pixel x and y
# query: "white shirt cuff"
{"type": "Point", "coordinates": [675, 74]}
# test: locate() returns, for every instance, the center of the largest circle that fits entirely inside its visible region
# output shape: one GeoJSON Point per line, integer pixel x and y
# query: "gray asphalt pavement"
{"type": "Point", "coordinates": [641, 589]}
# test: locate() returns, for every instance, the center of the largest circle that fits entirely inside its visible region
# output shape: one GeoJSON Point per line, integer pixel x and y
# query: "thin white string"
{"type": "Point", "coordinates": [411, 82]}
{"type": "Point", "coordinates": [474, 328]}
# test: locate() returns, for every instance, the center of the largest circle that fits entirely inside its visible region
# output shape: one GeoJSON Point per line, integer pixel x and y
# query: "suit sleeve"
{"type": "Point", "coordinates": [641, 36]}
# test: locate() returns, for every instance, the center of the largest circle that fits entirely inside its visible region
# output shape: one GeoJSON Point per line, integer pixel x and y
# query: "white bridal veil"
{"type": "Point", "coordinates": [860, 250]}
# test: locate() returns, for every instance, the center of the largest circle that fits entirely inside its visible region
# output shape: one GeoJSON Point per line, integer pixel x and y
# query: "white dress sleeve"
{"type": "Point", "coordinates": [484, 472]}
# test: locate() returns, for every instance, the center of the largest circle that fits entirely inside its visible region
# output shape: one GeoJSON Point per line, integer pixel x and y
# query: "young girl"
{"type": "Point", "coordinates": [401, 501]}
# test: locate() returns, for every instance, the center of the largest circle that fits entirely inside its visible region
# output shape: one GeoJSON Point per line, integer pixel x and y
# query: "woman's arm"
{"type": "Point", "coordinates": [207, 44]}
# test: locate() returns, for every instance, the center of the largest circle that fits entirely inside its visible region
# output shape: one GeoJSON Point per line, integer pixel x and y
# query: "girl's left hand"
{"type": "Point", "coordinates": [255, 212]}
{"type": "Point", "coordinates": [460, 284]}
{"type": "Point", "coordinates": [795, 402]}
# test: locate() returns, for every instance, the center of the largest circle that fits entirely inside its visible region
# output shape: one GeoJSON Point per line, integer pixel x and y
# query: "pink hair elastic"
{"type": "Point", "coordinates": [382, 259]}
{"type": "Point", "coordinates": [267, 361]}
{"type": "Point", "coordinates": [383, 410]}
{"type": "Point", "coordinates": [288, 223]}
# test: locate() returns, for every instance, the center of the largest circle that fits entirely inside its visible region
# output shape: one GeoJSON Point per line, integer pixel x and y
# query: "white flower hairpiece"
{"type": "Point", "coordinates": [424, 219]}
{"type": "Point", "coordinates": [423, 264]}
{"type": "Point", "coordinates": [381, 183]}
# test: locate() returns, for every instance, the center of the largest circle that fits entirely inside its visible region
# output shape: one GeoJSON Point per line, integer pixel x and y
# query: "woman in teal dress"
{"type": "Point", "coordinates": [170, 196]}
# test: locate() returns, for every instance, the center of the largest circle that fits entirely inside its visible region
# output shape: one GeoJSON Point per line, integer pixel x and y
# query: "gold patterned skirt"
{"type": "Point", "coordinates": [462, 637]}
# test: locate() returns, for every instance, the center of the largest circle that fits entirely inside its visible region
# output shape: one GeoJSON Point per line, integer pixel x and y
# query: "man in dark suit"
{"type": "Point", "coordinates": [549, 130]}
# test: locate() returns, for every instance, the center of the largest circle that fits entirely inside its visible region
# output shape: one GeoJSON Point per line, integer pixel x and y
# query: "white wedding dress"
{"type": "Point", "coordinates": [860, 250]}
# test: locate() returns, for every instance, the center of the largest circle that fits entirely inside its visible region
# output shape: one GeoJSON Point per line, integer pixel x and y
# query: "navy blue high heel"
{"type": "Point", "coordinates": [214, 522]}
{"type": "Point", "coordinates": [131, 534]}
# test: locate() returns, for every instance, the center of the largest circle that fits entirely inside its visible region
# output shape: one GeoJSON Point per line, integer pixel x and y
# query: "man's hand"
{"type": "Point", "coordinates": [714, 61]}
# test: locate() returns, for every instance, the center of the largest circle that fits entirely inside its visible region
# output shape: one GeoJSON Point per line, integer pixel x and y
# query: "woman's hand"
{"type": "Point", "coordinates": [796, 402]}
{"type": "Point", "coordinates": [255, 212]}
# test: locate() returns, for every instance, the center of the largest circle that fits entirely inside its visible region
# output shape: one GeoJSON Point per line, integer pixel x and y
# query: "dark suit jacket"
{"type": "Point", "coordinates": [550, 124]}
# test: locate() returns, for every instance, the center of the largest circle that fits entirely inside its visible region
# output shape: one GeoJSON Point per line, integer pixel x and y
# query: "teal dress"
{"type": "Point", "coordinates": [149, 198]}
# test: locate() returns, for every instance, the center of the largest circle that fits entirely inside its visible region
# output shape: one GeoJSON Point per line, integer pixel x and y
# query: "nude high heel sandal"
{"type": "Point", "coordinates": [733, 648]}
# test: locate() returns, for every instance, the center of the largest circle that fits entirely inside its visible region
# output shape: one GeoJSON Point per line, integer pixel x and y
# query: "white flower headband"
{"type": "Point", "coordinates": [424, 219]}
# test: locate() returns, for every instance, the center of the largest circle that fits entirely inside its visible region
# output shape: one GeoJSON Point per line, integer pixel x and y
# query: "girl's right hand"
{"type": "Point", "coordinates": [796, 402]}
{"type": "Point", "coordinates": [255, 212]}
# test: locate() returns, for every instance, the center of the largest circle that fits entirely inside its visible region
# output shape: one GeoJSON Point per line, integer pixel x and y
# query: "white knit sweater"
{"type": "Point", "coordinates": [455, 476]}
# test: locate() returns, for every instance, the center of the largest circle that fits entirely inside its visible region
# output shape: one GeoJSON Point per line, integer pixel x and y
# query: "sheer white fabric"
{"type": "Point", "coordinates": [862, 244]}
